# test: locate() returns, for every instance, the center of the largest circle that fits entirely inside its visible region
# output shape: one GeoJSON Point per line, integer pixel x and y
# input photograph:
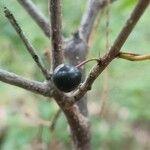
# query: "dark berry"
{"type": "Point", "coordinates": [66, 77]}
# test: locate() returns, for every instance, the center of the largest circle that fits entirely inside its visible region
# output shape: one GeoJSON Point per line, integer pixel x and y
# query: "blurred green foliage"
{"type": "Point", "coordinates": [129, 82]}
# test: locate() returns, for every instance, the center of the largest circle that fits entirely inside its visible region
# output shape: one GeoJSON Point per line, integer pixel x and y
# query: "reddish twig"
{"type": "Point", "coordinates": [86, 61]}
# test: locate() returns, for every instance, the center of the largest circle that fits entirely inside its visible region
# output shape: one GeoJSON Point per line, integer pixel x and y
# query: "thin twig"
{"type": "Point", "coordinates": [133, 56]}
{"type": "Point", "coordinates": [30, 85]}
{"type": "Point", "coordinates": [56, 35]}
{"type": "Point", "coordinates": [105, 89]}
{"type": "Point", "coordinates": [94, 31]}
{"type": "Point", "coordinates": [107, 24]}
{"type": "Point", "coordinates": [37, 15]}
{"type": "Point", "coordinates": [114, 50]}
{"type": "Point", "coordinates": [88, 19]}
{"type": "Point", "coordinates": [28, 45]}
{"type": "Point", "coordinates": [104, 95]}
{"type": "Point", "coordinates": [54, 120]}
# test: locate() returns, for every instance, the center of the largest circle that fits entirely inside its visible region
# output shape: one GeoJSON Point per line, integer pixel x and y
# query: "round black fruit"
{"type": "Point", "coordinates": [66, 77]}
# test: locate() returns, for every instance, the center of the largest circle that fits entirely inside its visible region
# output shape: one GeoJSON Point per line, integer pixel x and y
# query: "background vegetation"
{"type": "Point", "coordinates": [125, 123]}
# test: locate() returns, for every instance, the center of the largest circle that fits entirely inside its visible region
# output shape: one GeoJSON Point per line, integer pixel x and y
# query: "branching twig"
{"type": "Point", "coordinates": [30, 85]}
{"type": "Point", "coordinates": [133, 56]}
{"type": "Point", "coordinates": [114, 50]}
{"type": "Point", "coordinates": [55, 17]}
{"type": "Point", "coordinates": [28, 45]}
{"type": "Point", "coordinates": [37, 15]}
{"type": "Point", "coordinates": [77, 47]}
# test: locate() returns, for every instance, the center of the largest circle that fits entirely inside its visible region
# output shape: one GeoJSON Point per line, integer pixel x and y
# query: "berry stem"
{"type": "Point", "coordinates": [86, 61]}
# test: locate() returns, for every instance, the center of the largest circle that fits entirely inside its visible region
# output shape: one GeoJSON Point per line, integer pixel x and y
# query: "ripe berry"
{"type": "Point", "coordinates": [66, 77]}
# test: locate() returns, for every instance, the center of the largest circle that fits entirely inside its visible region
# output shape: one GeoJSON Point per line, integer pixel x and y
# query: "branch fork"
{"type": "Point", "coordinates": [57, 48]}
{"type": "Point", "coordinates": [79, 124]}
